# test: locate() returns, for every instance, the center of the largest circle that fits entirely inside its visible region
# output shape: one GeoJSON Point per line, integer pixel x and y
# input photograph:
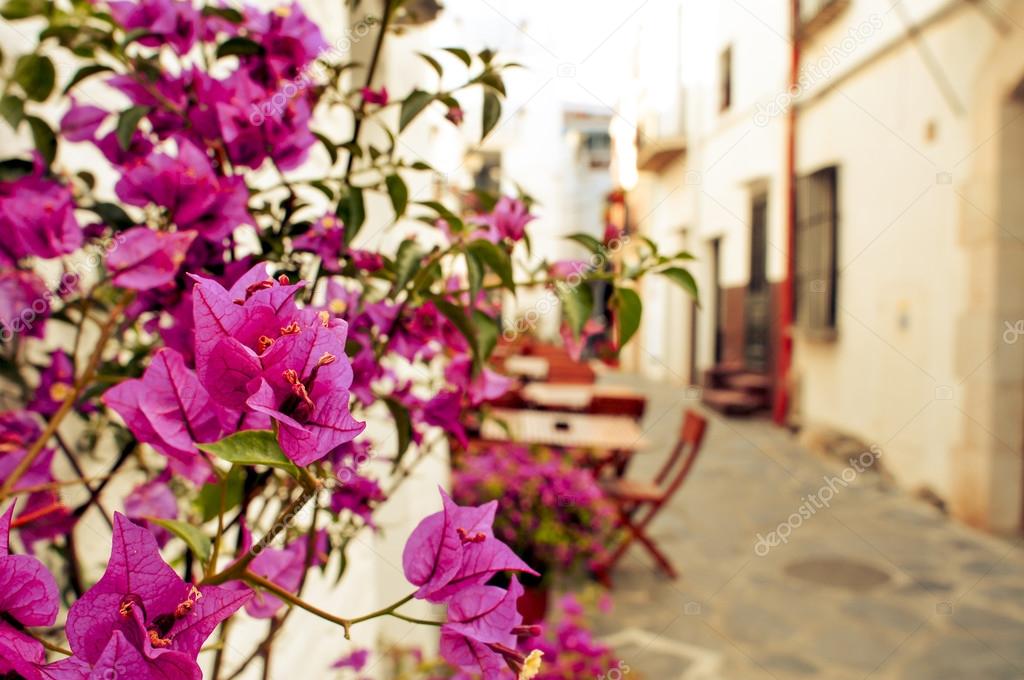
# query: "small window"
{"type": "Point", "coordinates": [725, 79]}
{"type": "Point", "coordinates": [816, 231]}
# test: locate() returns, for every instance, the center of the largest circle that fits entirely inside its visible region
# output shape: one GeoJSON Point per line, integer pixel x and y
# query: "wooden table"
{"type": "Point", "coordinates": [560, 428]}
{"type": "Point", "coordinates": [571, 397]}
{"type": "Point", "coordinates": [533, 368]}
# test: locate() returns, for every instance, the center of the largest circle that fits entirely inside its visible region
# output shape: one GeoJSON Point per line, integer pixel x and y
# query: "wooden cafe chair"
{"type": "Point", "coordinates": [638, 502]}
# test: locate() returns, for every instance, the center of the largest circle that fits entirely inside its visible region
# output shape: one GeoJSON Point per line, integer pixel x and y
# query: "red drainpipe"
{"type": "Point", "coordinates": [781, 405]}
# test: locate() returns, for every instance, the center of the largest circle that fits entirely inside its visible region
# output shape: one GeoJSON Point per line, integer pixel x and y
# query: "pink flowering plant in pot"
{"type": "Point", "coordinates": [551, 511]}
{"type": "Point", "coordinates": [193, 334]}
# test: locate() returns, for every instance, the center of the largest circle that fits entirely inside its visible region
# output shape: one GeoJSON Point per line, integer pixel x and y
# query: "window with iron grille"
{"type": "Point", "coordinates": [817, 224]}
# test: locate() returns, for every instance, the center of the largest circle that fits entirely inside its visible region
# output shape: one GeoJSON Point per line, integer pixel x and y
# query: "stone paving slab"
{"type": "Point", "coordinates": [873, 584]}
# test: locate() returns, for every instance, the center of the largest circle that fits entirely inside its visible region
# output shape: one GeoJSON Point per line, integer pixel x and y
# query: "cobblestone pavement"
{"type": "Point", "coordinates": [871, 584]}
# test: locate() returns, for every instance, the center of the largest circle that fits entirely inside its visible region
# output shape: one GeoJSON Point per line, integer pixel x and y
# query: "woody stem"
{"type": "Point", "coordinates": [116, 315]}
{"type": "Point", "coordinates": [346, 624]}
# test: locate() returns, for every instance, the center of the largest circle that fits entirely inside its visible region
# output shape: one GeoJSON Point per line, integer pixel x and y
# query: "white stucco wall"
{"type": "Point", "coordinates": [903, 138]}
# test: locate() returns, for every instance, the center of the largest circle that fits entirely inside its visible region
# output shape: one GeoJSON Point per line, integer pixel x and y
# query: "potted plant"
{"type": "Point", "coordinates": [550, 511]}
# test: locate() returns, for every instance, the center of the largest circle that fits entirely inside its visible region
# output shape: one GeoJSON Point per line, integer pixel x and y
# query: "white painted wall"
{"type": "Point", "coordinates": [871, 106]}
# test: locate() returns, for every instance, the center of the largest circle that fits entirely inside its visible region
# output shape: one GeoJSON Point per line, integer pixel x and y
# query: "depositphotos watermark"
{"type": "Point", "coordinates": [820, 70]}
{"type": "Point", "coordinates": [315, 72]}
{"type": "Point", "coordinates": [297, 513]}
{"type": "Point", "coordinates": [89, 260]}
{"type": "Point", "coordinates": [811, 503]}
{"type": "Point", "coordinates": [617, 672]}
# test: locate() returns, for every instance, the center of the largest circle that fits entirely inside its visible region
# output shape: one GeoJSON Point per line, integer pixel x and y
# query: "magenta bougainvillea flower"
{"type": "Point", "coordinates": [290, 39]}
{"type": "Point", "coordinates": [508, 220]}
{"type": "Point", "coordinates": [171, 411]}
{"type": "Point", "coordinates": [81, 121]}
{"type": "Point", "coordinates": [481, 632]}
{"type": "Point", "coordinates": [147, 259]}
{"type": "Point", "coordinates": [24, 304]}
{"type": "Point", "coordinates": [356, 660]}
{"type": "Point", "coordinates": [153, 499]}
{"type": "Point", "coordinates": [257, 351]}
{"type": "Point", "coordinates": [187, 187]}
{"type": "Point", "coordinates": [326, 238]}
{"type": "Point", "coordinates": [454, 549]}
{"type": "Point", "coordinates": [142, 615]}
{"type": "Point", "coordinates": [253, 128]}
{"type": "Point", "coordinates": [283, 566]}
{"type": "Point", "coordinates": [357, 494]}
{"type": "Point", "coordinates": [28, 597]}
{"type": "Point", "coordinates": [372, 96]}
{"type": "Point", "coordinates": [43, 515]}
{"type": "Point", "coordinates": [166, 21]}
{"type": "Point", "coordinates": [37, 218]}
{"type": "Point", "coordinates": [574, 344]}
{"type": "Point", "coordinates": [486, 385]}
{"type": "Point", "coordinates": [56, 381]}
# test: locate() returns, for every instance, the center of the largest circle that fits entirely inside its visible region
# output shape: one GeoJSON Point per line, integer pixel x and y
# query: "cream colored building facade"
{"type": "Point", "coordinates": [916, 110]}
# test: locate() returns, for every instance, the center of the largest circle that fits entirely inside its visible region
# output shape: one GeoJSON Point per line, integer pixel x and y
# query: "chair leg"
{"type": "Point", "coordinates": [657, 554]}
{"type": "Point", "coordinates": [637, 531]}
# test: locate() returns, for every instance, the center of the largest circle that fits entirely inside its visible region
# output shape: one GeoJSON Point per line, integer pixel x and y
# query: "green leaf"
{"type": "Point", "coordinates": [332, 148]}
{"type": "Point", "coordinates": [588, 242]}
{"type": "Point", "coordinates": [457, 316]}
{"type": "Point", "coordinates": [577, 305]}
{"type": "Point", "coordinates": [462, 54]}
{"type": "Point", "coordinates": [127, 123]}
{"type": "Point", "coordinates": [113, 216]}
{"type": "Point", "coordinates": [412, 106]}
{"type": "Point", "coordinates": [12, 109]}
{"type": "Point", "coordinates": [352, 212]}
{"type": "Point", "coordinates": [682, 278]}
{"type": "Point", "coordinates": [407, 262]}
{"type": "Point", "coordinates": [492, 113]}
{"type": "Point", "coordinates": [193, 536]}
{"type": "Point", "coordinates": [22, 9]}
{"type": "Point", "coordinates": [83, 73]}
{"type": "Point", "coordinates": [251, 447]}
{"type": "Point", "coordinates": [403, 428]}
{"type": "Point", "coordinates": [628, 310]}
{"type": "Point", "coordinates": [238, 46]}
{"type": "Point", "coordinates": [434, 63]}
{"type": "Point", "coordinates": [43, 138]}
{"type": "Point", "coordinates": [13, 168]}
{"type": "Point", "coordinates": [486, 333]}
{"type": "Point", "coordinates": [474, 273]}
{"type": "Point", "coordinates": [136, 34]}
{"type": "Point", "coordinates": [493, 80]}
{"type": "Point", "coordinates": [323, 188]}
{"type": "Point", "coordinates": [445, 214]}
{"type": "Point", "coordinates": [226, 13]}
{"type": "Point", "coordinates": [36, 75]}
{"type": "Point", "coordinates": [495, 257]}
{"type": "Point", "coordinates": [399, 194]}
{"type": "Point", "coordinates": [486, 56]}
{"type": "Point", "coordinates": [208, 502]}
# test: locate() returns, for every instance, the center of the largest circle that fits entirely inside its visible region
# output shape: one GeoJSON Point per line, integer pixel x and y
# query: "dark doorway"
{"type": "Point", "coordinates": [757, 308]}
{"type": "Point", "coordinates": [716, 270]}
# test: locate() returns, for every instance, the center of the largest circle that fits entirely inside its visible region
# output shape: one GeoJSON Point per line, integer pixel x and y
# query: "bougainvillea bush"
{"type": "Point", "coordinates": [568, 648]}
{"type": "Point", "coordinates": [551, 510]}
{"type": "Point", "coordinates": [194, 309]}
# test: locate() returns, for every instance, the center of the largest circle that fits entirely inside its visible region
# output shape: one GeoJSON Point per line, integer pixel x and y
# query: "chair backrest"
{"type": "Point", "coordinates": [676, 469]}
{"type": "Point", "coordinates": [618, 405]}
